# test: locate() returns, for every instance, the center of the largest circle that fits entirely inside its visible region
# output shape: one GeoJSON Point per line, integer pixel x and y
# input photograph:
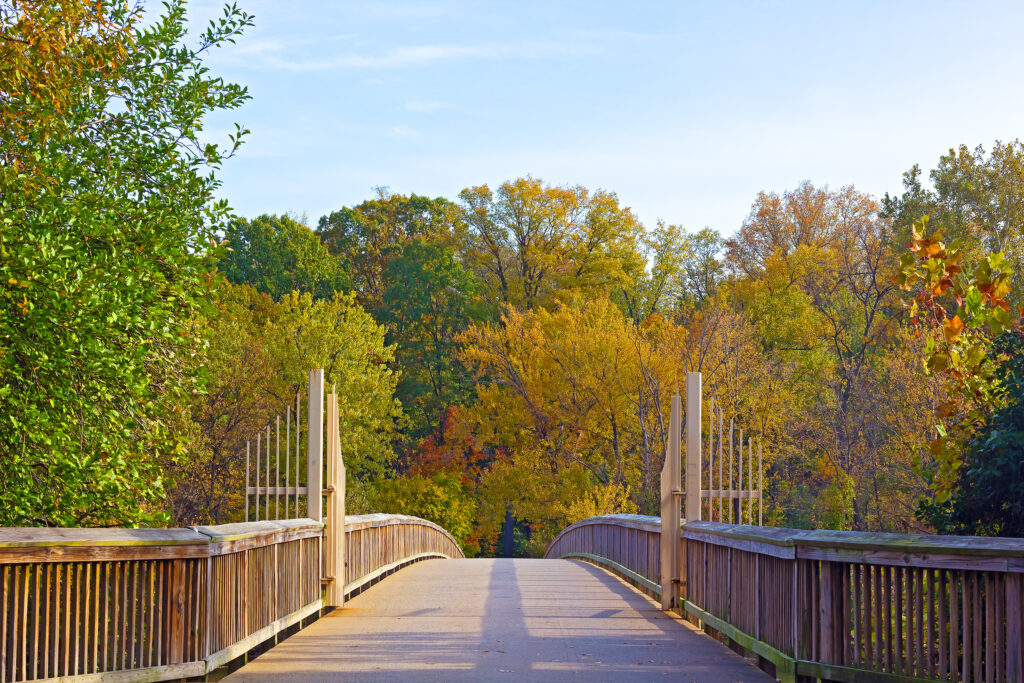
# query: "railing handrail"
{"type": "Point", "coordinates": [867, 544]}
{"type": "Point", "coordinates": [54, 537]}
{"type": "Point", "coordinates": [641, 522]}
{"type": "Point", "coordinates": [377, 519]}
{"type": "Point", "coordinates": [37, 537]}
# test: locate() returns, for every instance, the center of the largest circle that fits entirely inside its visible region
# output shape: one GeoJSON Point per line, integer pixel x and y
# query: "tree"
{"type": "Point", "coordinates": [241, 390]}
{"type": "Point", "coordinates": [814, 272]}
{"type": "Point", "coordinates": [341, 337]}
{"type": "Point", "coordinates": [959, 308]}
{"type": "Point", "coordinates": [988, 499]}
{"type": "Point", "coordinates": [441, 498]}
{"type": "Point", "coordinates": [279, 255]}
{"type": "Point", "coordinates": [574, 400]}
{"type": "Point", "coordinates": [367, 237]}
{"type": "Point", "coordinates": [108, 207]}
{"type": "Point", "coordinates": [654, 285]}
{"type": "Point", "coordinates": [260, 354]}
{"type": "Point", "coordinates": [703, 270]}
{"type": "Point", "coordinates": [528, 243]}
{"type": "Point", "coordinates": [977, 199]}
{"type": "Point", "coordinates": [427, 304]}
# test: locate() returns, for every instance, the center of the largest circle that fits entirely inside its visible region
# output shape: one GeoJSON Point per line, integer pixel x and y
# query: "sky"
{"type": "Point", "coordinates": [685, 110]}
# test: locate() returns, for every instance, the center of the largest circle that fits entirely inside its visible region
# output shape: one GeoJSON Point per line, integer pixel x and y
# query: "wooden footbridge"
{"type": "Point", "coordinates": [619, 597]}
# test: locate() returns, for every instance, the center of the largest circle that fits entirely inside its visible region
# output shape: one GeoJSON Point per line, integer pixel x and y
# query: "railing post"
{"type": "Point", "coordinates": [693, 463]}
{"type": "Point", "coordinates": [315, 446]}
{"type": "Point", "coordinates": [670, 510]}
{"type": "Point", "coordinates": [693, 455]}
{"type": "Point", "coordinates": [335, 532]}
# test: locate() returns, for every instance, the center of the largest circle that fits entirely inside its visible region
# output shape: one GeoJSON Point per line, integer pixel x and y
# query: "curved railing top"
{"type": "Point", "coordinates": [856, 541]}
{"type": "Point", "coordinates": [642, 522]}
{"type": "Point", "coordinates": [379, 519]}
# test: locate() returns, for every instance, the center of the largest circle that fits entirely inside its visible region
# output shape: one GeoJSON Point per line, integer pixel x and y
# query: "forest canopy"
{"type": "Point", "coordinates": [504, 358]}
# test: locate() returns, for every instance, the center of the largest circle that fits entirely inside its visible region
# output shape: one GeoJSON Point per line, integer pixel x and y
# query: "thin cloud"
{"type": "Point", "coordinates": [424, 55]}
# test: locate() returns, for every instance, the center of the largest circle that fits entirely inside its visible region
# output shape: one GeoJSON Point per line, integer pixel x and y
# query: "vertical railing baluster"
{"type": "Point", "coordinates": [287, 459]}
{"type": "Point", "coordinates": [247, 467]}
{"type": "Point", "coordinates": [277, 467]}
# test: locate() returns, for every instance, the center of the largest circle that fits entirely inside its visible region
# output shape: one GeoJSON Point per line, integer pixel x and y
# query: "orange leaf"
{"type": "Point", "coordinates": [952, 328]}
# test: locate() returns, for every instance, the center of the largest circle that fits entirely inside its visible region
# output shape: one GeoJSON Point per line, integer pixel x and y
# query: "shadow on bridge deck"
{"type": "Point", "coordinates": [493, 619]}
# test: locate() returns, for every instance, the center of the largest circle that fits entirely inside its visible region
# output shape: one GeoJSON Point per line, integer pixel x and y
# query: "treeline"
{"type": "Point", "coordinates": [539, 331]}
{"type": "Point", "coordinates": [505, 358]}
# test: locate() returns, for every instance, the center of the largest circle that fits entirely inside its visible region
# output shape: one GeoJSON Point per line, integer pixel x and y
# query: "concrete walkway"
{"type": "Point", "coordinates": [499, 619]}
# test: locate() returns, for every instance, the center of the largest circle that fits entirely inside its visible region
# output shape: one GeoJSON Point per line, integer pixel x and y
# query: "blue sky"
{"type": "Point", "coordinates": [685, 110]}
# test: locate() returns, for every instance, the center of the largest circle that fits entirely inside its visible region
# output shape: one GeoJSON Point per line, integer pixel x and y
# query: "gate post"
{"type": "Point", "coordinates": [335, 532]}
{"type": "Point", "coordinates": [693, 456]}
{"type": "Point", "coordinates": [694, 393]}
{"type": "Point", "coordinates": [315, 446]}
{"type": "Point", "coordinates": [670, 481]}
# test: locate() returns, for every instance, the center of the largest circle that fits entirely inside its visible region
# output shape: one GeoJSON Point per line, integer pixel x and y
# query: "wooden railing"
{"type": "Point", "coordinates": [379, 545]}
{"type": "Point", "coordinates": [833, 605]}
{"type": "Point", "coordinates": [836, 604]}
{"type": "Point", "coordinates": [154, 604]}
{"type": "Point", "coordinates": [625, 544]}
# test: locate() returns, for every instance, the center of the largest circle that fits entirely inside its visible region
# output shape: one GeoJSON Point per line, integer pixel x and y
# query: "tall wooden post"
{"type": "Point", "coordinates": [670, 481]}
{"type": "Point", "coordinates": [315, 446]}
{"type": "Point", "coordinates": [693, 456]}
{"type": "Point", "coordinates": [335, 533]}
{"type": "Point", "coordinates": [693, 466]}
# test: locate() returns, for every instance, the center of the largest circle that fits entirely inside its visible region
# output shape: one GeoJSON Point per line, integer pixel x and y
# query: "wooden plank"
{"type": "Point", "coordinates": [942, 633]}
{"type": "Point", "coordinates": [743, 494]}
{"type": "Point", "coordinates": [35, 622]}
{"type": "Point", "coordinates": [978, 646]}
{"type": "Point", "coordinates": [33, 537]}
{"type": "Point", "coordinates": [247, 467]}
{"type": "Point", "coordinates": [277, 467]}
{"type": "Point", "coordinates": [879, 629]}
{"type": "Point", "coordinates": [954, 625]}
{"type": "Point", "coordinates": [288, 460]}
{"type": "Point", "coordinates": [670, 475]}
{"type": "Point", "coordinates": [991, 639]}
{"type": "Point", "coordinates": [1014, 628]}
{"type": "Point", "coordinates": [887, 617]}
{"type": "Point", "coordinates": [176, 612]}
{"type": "Point", "coordinates": [899, 579]}
{"type": "Point", "coordinates": [830, 614]}
{"type": "Point", "coordinates": [266, 500]}
{"type": "Point", "coordinates": [854, 651]}
{"type": "Point", "coordinates": [259, 442]}
{"type": "Point", "coordinates": [75, 554]}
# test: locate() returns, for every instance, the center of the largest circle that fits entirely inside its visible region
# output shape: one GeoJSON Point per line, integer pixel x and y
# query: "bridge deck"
{"type": "Point", "coordinates": [548, 620]}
